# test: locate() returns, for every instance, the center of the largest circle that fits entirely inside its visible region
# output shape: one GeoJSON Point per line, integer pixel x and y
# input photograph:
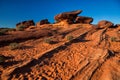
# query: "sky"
{"type": "Point", "coordinates": [14, 11]}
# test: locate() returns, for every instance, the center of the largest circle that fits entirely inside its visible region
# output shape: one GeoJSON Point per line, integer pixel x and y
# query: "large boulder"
{"type": "Point", "coordinates": [44, 21]}
{"type": "Point", "coordinates": [105, 24]}
{"type": "Point", "coordinates": [84, 20]}
{"type": "Point", "coordinates": [68, 16]}
{"type": "Point", "coordinates": [25, 24]}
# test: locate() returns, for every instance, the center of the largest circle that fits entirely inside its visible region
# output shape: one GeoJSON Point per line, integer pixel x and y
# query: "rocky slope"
{"type": "Point", "coordinates": [92, 53]}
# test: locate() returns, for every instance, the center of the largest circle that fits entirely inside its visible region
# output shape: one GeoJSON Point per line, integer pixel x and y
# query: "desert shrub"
{"type": "Point", "coordinates": [48, 40]}
{"type": "Point", "coordinates": [14, 46]}
{"type": "Point", "coordinates": [2, 58]}
{"type": "Point", "coordinates": [20, 28]}
{"type": "Point", "coordinates": [69, 38]}
{"type": "Point", "coordinates": [113, 39]}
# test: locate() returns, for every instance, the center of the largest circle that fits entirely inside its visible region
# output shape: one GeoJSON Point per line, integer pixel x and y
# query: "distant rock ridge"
{"type": "Point", "coordinates": [66, 18]}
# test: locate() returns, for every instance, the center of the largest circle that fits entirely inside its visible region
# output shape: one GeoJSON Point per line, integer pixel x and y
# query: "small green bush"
{"type": "Point", "coordinates": [69, 38]}
{"type": "Point", "coordinates": [20, 28]}
{"type": "Point", "coordinates": [2, 58]}
{"type": "Point", "coordinates": [48, 40]}
{"type": "Point", "coordinates": [113, 39]}
{"type": "Point", "coordinates": [14, 46]}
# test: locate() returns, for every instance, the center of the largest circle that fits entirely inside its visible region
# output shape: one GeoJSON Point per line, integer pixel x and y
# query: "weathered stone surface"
{"type": "Point", "coordinates": [82, 19]}
{"type": "Point", "coordinates": [25, 24]}
{"type": "Point", "coordinates": [105, 24]}
{"type": "Point", "coordinates": [30, 28]}
{"type": "Point", "coordinates": [44, 21]}
{"type": "Point", "coordinates": [25, 35]}
{"type": "Point", "coordinates": [68, 16]}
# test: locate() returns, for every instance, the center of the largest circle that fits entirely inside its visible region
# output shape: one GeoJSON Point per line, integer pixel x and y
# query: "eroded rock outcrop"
{"type": "Point", "coordinates": [67, 16]}
{"type": "Point", "coordinates": [25, 24]}
{"type": "Point", "coordinates": [82, 19]}
{"type": "Point", "coordinates": [44, 21]}
{"type": "Point", "coordinates": [105, 24]}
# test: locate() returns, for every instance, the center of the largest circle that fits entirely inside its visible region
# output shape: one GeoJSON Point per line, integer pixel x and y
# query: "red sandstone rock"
{"type": "Point", "coordinates": [82, 19]}
{"type": "Point", "coordinates": [44, 21]}
{"type": "Point", "coordinates": [105, 24]}
{"type": "Point", "coordinates": [25, 24]}
{"type": "Point", "coordinates": [69, 16]}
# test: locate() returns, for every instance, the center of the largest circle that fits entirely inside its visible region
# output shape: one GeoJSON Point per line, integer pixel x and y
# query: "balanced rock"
{"type": "Point", "coordinates": [25, 24]}
{"type": "Point", "coordinates": [68, 16]}
{"type": "Point", "coordinates": [84, 20]}
{"type": "Point", "coordinates": [44, 21]}
{"type": "Point", "coordinates": [105, 24]}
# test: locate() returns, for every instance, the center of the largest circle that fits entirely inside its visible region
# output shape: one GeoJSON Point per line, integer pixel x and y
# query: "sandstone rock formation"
{"type": "Point", "coordinates": [44, 21]}
{"type": "Point", "coordinates": [68, 16]}
{"type": "Point", "coordinates": [31, 27]}
{"type": "Point", "coordinates": [24, 35]}
{"type": "Point", "coordinates": [93, 53]}
{"type": "Point", "coordinates": [82, 19]}
{"type": "Point", "coordinates": [105, 24]}
{"type": "Point", "coordinates": [25, 24]}
{"type": "Point", "coordinates": [89, 56]}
